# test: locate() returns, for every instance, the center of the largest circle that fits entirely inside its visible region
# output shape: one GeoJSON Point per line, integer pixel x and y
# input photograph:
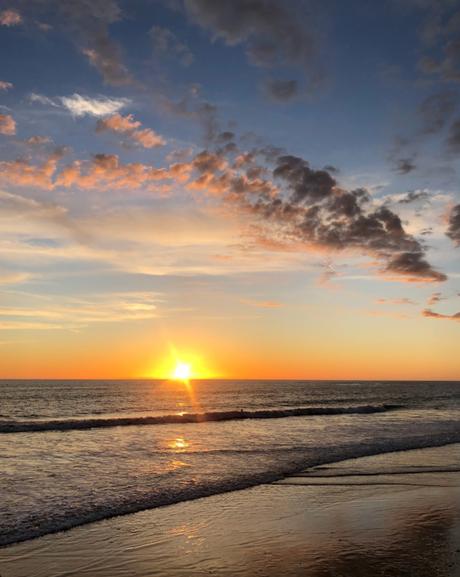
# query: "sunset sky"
{"type": "Point", "coordinates": [263, 189]}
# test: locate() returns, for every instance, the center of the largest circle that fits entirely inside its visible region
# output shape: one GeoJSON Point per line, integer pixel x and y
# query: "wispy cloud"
{"type": "Point", "coordinates": [79, 105]}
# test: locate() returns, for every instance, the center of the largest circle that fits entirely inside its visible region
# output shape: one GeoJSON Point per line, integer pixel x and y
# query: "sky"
{"type": "Point", "coordinates": [261, 189]}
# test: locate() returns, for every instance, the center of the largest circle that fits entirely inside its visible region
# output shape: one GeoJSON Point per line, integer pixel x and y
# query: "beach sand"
{"type": "Point", "coordinates": [391, 515]}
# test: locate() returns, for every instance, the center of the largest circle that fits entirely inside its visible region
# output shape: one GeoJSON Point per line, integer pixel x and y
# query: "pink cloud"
{"type": "Point", "coordinates": [10, 18]}
{"type": "Point", "coordinates": [5, 85]}
{"type": "Point", "coordinates": [131, 129]}
{"type": "Point", "coordinates": [7, 125]}
{"type": "Point", "coordinates": [434, 315]}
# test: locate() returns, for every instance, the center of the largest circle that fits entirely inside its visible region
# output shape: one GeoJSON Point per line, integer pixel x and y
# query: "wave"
{"type": "Point", "coordinates": [62, 519]}
{"type": "Point", "coordinates": [7, 427]}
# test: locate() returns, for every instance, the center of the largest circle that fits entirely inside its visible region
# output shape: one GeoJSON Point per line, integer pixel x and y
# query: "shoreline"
{"type": "Point", "coordinates": [344, 454]}
{"type": "Point", "coordinates": [311, 494]}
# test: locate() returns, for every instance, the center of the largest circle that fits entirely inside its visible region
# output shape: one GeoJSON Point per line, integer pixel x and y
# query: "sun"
{"type": "Point", "coordinates": [182, 371]}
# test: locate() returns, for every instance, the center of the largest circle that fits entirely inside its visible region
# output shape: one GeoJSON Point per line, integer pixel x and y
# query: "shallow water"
{"type": "Point", "coordinates": [294, 531]}
{"type": "Point", "coordinates": [60, 478]}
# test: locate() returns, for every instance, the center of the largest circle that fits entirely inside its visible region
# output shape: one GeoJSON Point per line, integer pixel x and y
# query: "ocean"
{"type": "Point", "coordinates": [73, 452]}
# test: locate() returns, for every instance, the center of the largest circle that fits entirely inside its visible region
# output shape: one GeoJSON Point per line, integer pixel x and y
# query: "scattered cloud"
{"type": "Point", "coordinates": [435, 298]}
{"type": "Point", "coordinates": [166, 43]}
{"type": "Point", "coordinates": [10, 18]}
{"type": "Point", "coordinates": [454, 225]}
{"type": "Point", "coordinates": [401, 301]}
{"type": "Point", "coordinates": [282, 90]}
{"type": "Point", "coordinates": [271, 32]}
{"type": "Point", "coordinates": [79, 105]}
{"type": "Point", "coordinates": [268, 304]}
{"type": "Point", "coordinates": [433, 315]}
{"type": "Point", "coordinates": [131, 130]}
{"type": "Point", "coordinates": [90, 22]}
{"type": "Point", "coordinates": [7, 125]}
{"type": "Point", "coordinates": [37, 140]}
{"type": "Point", "coordinates": [5, 85]}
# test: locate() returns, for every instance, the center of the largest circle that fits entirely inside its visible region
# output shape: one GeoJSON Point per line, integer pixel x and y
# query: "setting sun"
{"type": "Point", "coordinates": [182, 371]}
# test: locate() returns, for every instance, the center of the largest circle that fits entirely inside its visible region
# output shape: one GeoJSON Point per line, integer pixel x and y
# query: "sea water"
{"type": "Point", "coordinates": [73, 452]}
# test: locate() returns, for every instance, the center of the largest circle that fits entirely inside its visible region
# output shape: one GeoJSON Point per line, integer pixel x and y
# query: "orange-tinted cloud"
{"type": "Point", "coordinates": [5, 85]}
{"type": "Point", "coordinates": [7, 125]}
{"type": "Point", "coordinates": [106, 171]}
{"type": "Point", "coordinates": [10, 18]}
{"type": "Point", "coordinates": [130, 129]}
{"type": "Point", "coordinates": [433, 315]}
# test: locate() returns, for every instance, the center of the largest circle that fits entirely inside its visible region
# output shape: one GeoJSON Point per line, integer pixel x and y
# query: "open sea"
{"type": "Point", "coordinates": [73, 452]}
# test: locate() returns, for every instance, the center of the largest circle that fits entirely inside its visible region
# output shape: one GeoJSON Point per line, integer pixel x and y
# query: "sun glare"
{"type": "Point", "coordinates": [182, 371]}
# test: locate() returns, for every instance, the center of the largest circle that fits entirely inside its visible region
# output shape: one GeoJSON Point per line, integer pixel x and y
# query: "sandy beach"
{"type": "Point", "coordinates": [396, 514]}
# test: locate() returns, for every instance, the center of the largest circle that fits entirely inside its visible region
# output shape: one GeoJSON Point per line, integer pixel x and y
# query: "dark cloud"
{"type": "Point", "coordinates": [166, 43]}
{"type": "Point", "coordinates": [453, 231]}
{"type": "Point", "coordinates": [435, 298]}
{"type": "Point", "coordinates": [433, 315]}
{"type": "Point", "coordinates": [90, 21]}
{"type": "Point", "coordinates": [282, 90]}
{"type": "Point", "coordinates": [405, 165]}
{"type": "Point", "coordinates": [272, 33]}
{"type": "Point", "coordinates": [298, 205]}
{"type": "Point", "coordinates": [414, 196]}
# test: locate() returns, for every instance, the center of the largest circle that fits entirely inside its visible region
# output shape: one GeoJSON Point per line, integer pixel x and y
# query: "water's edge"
{"type": "Point", "coordinates": [340, 453]}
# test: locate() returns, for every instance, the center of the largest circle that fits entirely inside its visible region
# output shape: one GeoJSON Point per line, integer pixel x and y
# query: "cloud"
{"type": "Point", "coordinates": [5, 85]}
{"type": "Point", "coordinates": [282, 90]}
{"type": "Point", "coordinates": [90, 23]}
{"type": "Point", "coordinates": [301, 206]}
{"type": "Point", "coordinates": [271, 32]}
{"type": "Point", "coordinates": [401, 301]}
{"type": "Point", "coordinates": [166, 43]}
{"type": "Point", "coordinates": [434, 315]}
{"type": "Point", "coordinates": [7, 125]}
{"type": "Point", "coordinates": [435, 298]}
{"type": "Point", "coordinates": [75, 313]}
{"type": "Point", "coordinates": [21, 172]}
{"type": "Point", "coordinates": [405, 165]}
{"type": "Point", "coordinates": [413, 196]}
{"type": "Point", "coordinates": [8, 277]}
{"type": "Point", "coordinates": [437, 109]}
{"type": "Point", "coordinates": [10, 18]}
{"type": "Point", "coordinates": [262, 304]}
{"type": "Point", "coordinates": [37, 140]}
{"type": "Point", "coordinates": [453, 231]}
{"type": "Point", "coordinates": [130, 128]}
{"type": "Point", "coordinates": [79, 105]}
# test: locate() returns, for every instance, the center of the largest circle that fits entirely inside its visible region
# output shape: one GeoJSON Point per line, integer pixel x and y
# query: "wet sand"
{"type": "Point", "coordinates": [391, 515]}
